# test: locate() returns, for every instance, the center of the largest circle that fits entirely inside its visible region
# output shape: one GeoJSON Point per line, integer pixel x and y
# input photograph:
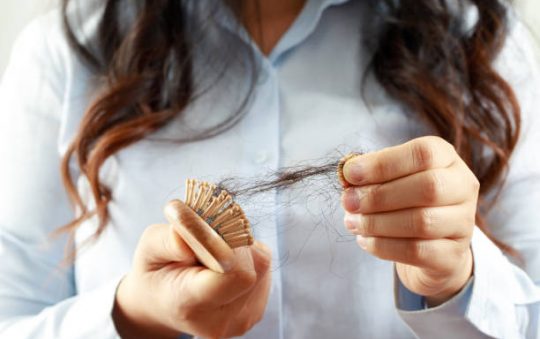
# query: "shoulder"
{"type": "Point", "coordinates": [40, 53]}
{"type": "Point", "coordinates": [44, 70]}
{"type": "Point", "coordinates": [42, 38]}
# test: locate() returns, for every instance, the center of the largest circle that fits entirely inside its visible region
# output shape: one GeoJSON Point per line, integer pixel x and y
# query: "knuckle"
{"type": "Point", "coordinates": [437, 142]}
{"type": "Point", "coordinates": [456, 254]}
{"type": "Point", "coordinates": [467, 216]}
{"type": "Point", "coordinates": [464, 248]}
{"type": "Point", "coordinates": [470, 221]}
{"type": "Point", "coordinates": [264, 263]}
{"type": "Point", "coordinates": [475, 184]}
{"type": "Point", "coordinates": [374, 198]}
{"type": "Point", "coordinates": [381, 248]}
{"type": "Point", "coordinates": [422, 154]}
{"type": "Point", "coordinates": [246, 278]}
{"type": "Point", "coordinates": [417, 251]}
{"type": "Point", "coordinates": [381, 169]}
{"type": "Point", "coordinates": [374, 247]}
{"type": "Point", "coordinates": [424, 222]}
{"type": "Point", "coordinates": [368, 225]}
{"type": "Point", "coordinates": [444, 144]}
{"type": "Point", "coordinates": [433, 187]}
{"type": "Point", "coordinates": [460, 249]}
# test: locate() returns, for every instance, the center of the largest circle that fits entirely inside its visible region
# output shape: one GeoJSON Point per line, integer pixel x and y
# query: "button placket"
{"type": "Point", "coordinates": [262, 151]}
{"type": "Point", "coordinates": [261, 157]}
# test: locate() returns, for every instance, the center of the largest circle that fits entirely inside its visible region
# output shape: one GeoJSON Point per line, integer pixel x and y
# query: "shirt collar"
{"type": "Point", "coordinates": [304, 25]}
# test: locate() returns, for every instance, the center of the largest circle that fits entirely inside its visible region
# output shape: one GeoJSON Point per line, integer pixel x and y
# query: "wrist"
{"type": "Point", "coordinates": [132, 316]}
{"type": "Point", "coordinates": [454, 284]}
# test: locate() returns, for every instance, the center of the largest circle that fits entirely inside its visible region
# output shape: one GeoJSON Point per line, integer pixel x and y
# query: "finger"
{"type": "Point", "coordinates": [440, 255]}
{"type": "Point", "coordinates": [161, 245]}
{"type": "Point", "coordinates": [438, 187]}
{"type": "Point", "coordinates": [254, 303]}
{"type": "Point", "coordinates": [252, 311]}
{"type": "Point", "coordinates": [262, 258]}
{"type": "Point", "coordinates": [211, 289]}
{"type": "Point", "coordinates": [399, 161]}
{"type": "Point", "coordinates": [239, 315]}
{"type": "Point", "coordinates": [455, 221]}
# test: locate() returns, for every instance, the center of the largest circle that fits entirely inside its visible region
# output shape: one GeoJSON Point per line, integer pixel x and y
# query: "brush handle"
{"type": "Point", "coordinates": [209, 248]}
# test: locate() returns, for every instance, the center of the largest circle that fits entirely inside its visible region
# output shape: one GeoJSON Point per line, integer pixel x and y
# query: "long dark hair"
{"type": "Point", "coordinates": [428, 56]}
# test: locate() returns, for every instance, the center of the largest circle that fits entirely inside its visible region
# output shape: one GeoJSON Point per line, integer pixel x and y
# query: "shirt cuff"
{"type": "Point", "coordinates": [500, 288]}
{"type": "Point", "coordinates": [408, 301]}
{"type": "Point", "coordinates": [444, 321]}
{"type": "Point", "coordinates": [484, 307]}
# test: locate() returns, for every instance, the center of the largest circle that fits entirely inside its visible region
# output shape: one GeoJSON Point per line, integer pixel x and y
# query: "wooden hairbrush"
{"type": "Point", "coordinates": [211, 224]}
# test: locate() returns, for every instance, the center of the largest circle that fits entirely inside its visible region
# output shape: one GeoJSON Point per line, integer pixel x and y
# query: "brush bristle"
{"type": "Point", "coordinates": [216, 206]}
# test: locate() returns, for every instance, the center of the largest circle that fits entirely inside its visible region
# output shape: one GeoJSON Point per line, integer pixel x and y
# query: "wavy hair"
{"type": "Point", "coordinates": [428, 56]}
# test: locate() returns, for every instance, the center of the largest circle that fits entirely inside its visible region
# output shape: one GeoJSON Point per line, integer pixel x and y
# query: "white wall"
{"type": "Point", "coordinates": [531, 11]}
{"type": "Point", "coordinates": [15, 14]}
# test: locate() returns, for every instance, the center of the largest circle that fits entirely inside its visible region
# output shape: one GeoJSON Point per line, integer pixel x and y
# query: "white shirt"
{"type": "Point", "coordinates": [307, 105]}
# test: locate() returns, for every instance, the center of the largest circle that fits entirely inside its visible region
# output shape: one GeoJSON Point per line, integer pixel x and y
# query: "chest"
{"type": "Point", "coordinates": [306, 107]}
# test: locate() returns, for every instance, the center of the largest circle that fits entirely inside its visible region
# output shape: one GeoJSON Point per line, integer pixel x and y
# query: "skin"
{"type": "Point", "coordinates": [166, 291]}
{"type": "Point", "coordinates": [268, 20]}
{"type": "Point", "coordinates": [415, 204]}
{"type": "Point", "coordinates": [427, 234]}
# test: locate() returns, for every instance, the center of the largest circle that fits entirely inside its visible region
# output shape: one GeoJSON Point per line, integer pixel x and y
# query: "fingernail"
{"type": "Point", "coordinates": [350, 222]}
{"type": "Point", "coordinates": [353, 171]}
{"type": "Point", "coordinates": [361, 241]}
{"type": "Point", "coordinates": [352, 198]}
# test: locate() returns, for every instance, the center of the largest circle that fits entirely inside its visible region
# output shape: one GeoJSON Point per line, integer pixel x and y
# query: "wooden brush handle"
{"type": "Point", "coordinates": [211, 250]}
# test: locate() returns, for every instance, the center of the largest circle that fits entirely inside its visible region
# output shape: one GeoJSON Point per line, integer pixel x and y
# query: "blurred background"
{"type": "Point", "coordinates": [15, 14]}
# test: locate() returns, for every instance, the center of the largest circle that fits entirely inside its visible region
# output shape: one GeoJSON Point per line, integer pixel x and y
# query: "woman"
{"type": "Point", "coordinates": [243, 88]}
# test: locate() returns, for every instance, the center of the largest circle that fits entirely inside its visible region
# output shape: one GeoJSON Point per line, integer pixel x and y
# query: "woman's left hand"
{"type": "Point", "coordinates": [415, 204]}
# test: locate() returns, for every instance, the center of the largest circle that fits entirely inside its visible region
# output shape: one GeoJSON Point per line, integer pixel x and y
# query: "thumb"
{"type": "Point", "coordinates": [250, 265]}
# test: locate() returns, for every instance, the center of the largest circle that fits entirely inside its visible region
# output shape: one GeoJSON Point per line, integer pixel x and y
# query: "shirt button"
{"type": "Point", "coordinates": [261, 157]}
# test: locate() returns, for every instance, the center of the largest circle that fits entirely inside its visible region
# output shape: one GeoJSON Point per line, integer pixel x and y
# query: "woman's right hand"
{"type": "Point", "coordinates": [167, 292]}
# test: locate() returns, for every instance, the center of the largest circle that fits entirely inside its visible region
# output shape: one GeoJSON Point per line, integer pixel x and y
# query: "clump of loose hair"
{"type": "Point", "coordinates": [284, 178]}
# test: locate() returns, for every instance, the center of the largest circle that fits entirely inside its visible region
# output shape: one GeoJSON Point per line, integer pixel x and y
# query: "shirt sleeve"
{"type": "Point", "coordinates": [38, 295]}
{"type": "Point", "coordinates": [503, 299]}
